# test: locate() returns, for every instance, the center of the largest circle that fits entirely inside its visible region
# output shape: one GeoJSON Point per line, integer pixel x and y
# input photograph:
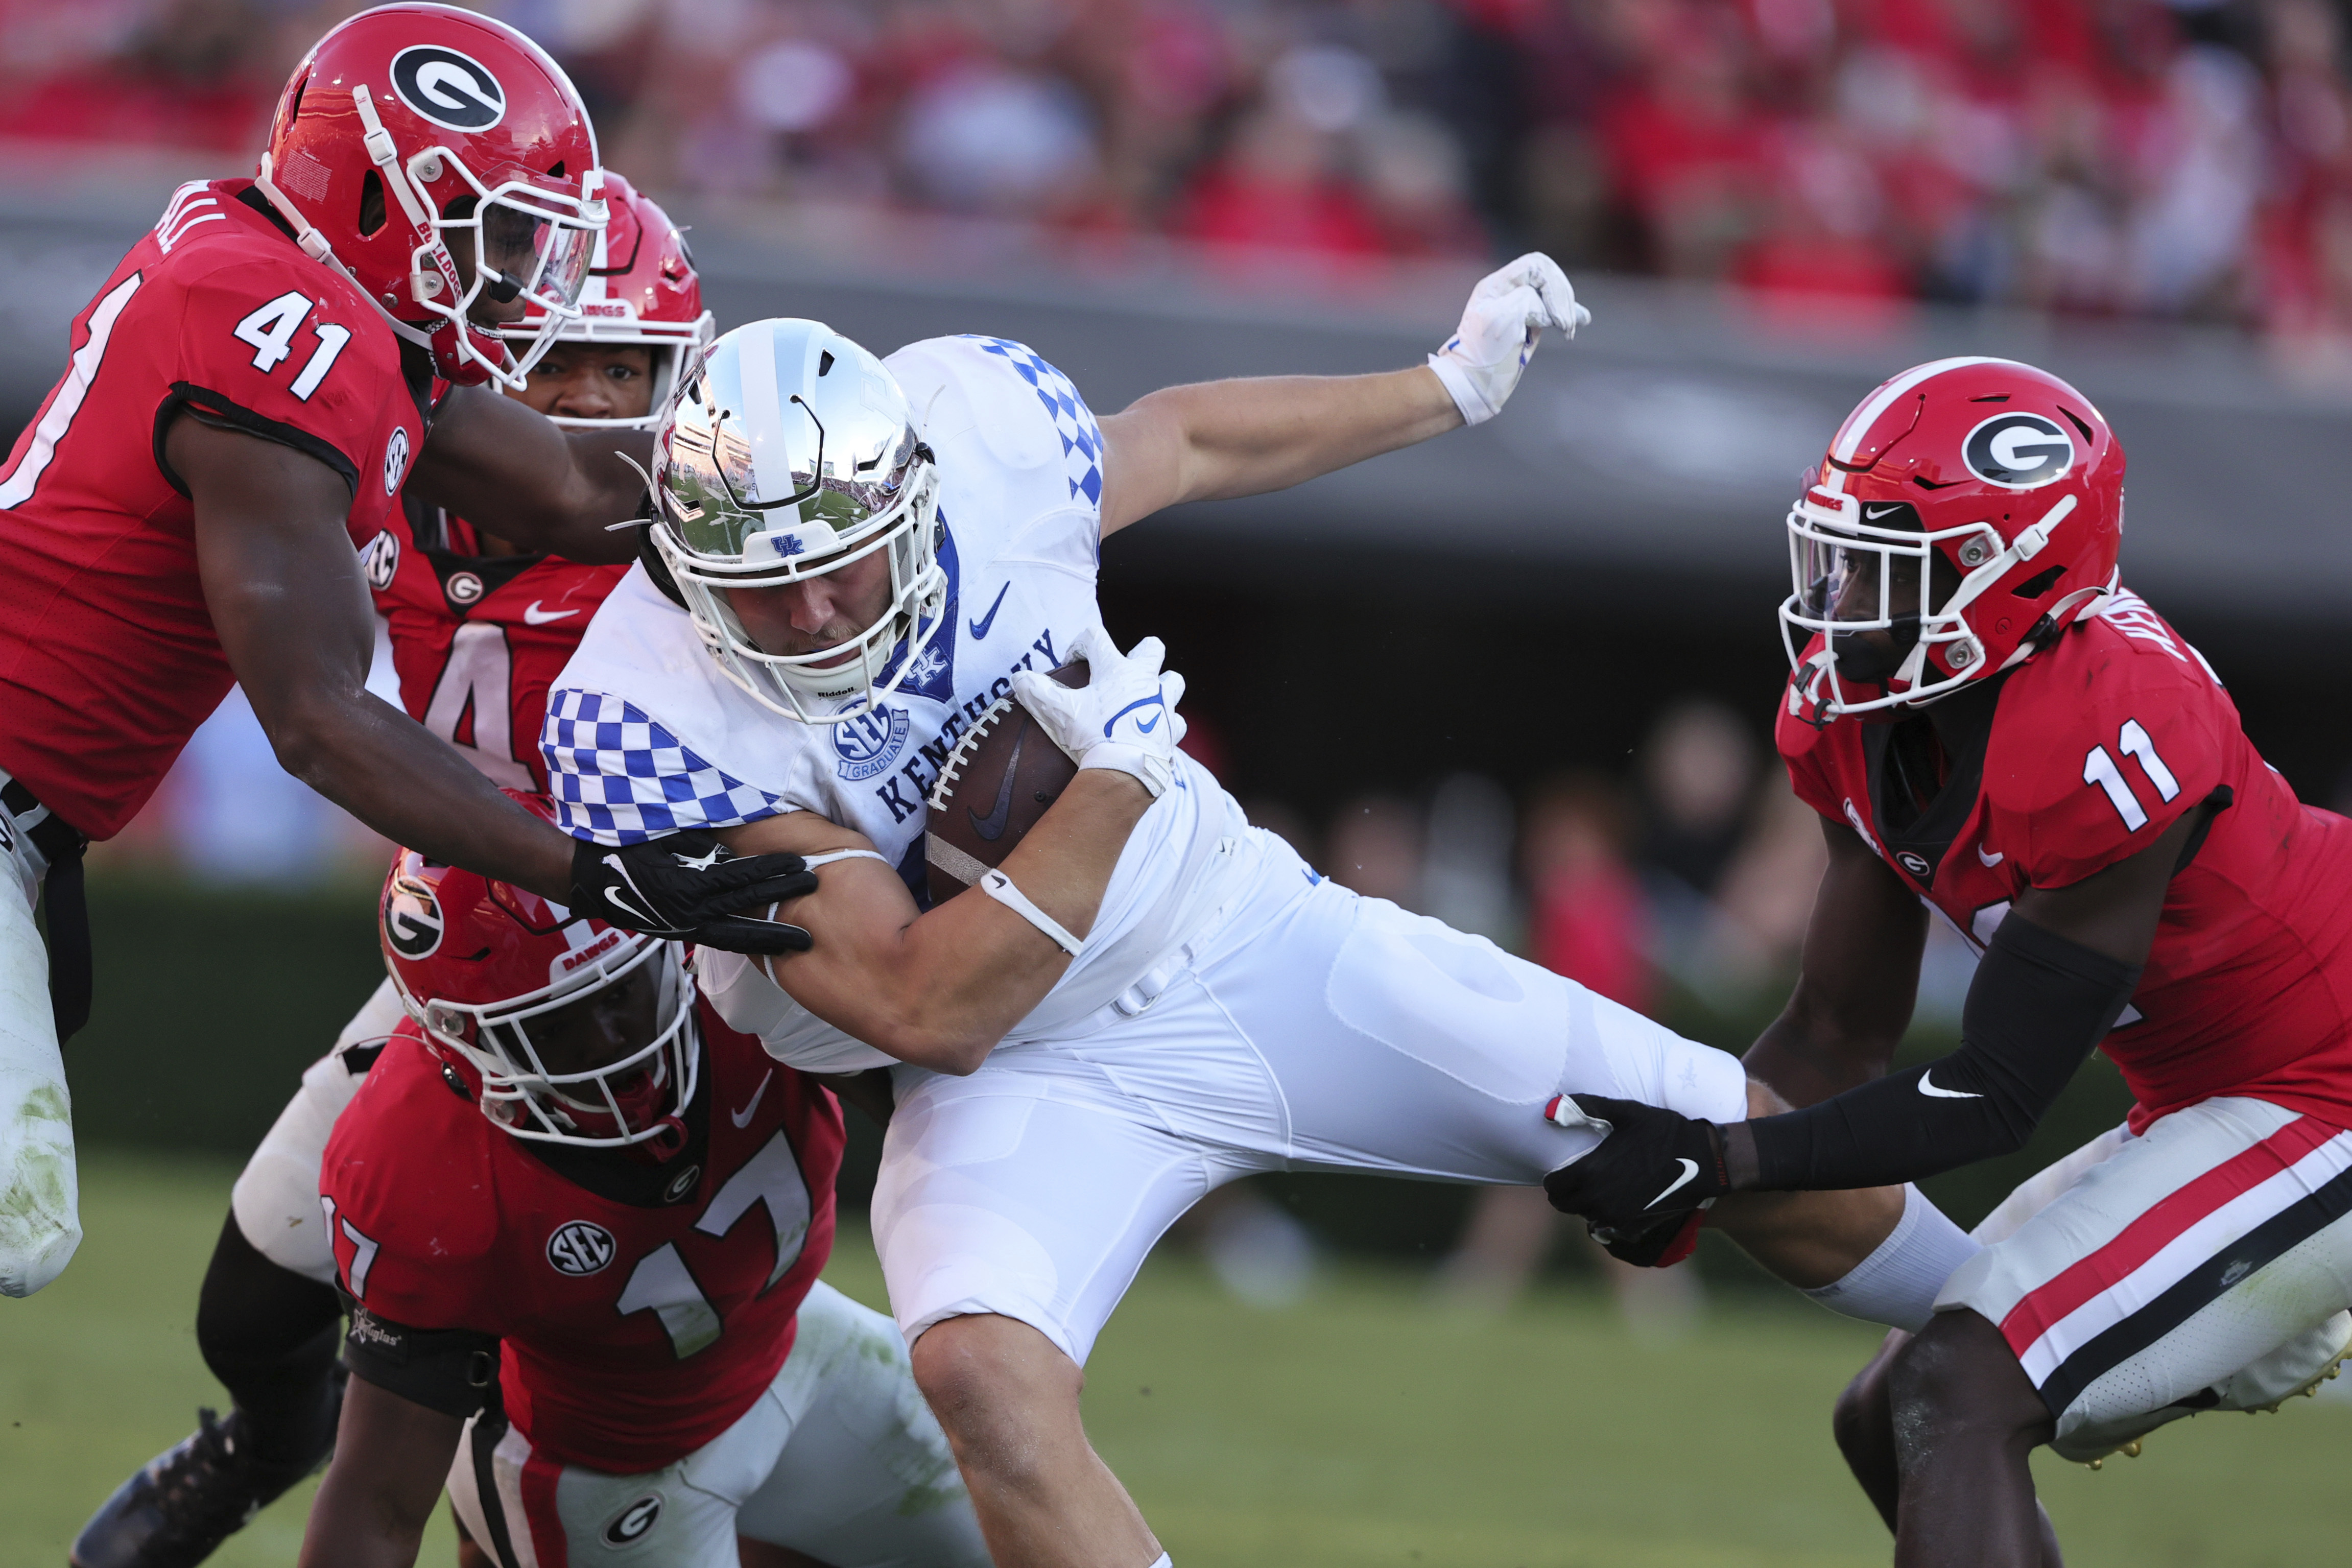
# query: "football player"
{"type": "Point", "coordinates": [251, 396]}
{"type": "Point", "coordinates": [579, 1222]}
{"type": "Point", "coordinates": [840, 586]}
{"type": "Point", "coordinates": [480, 631]}
{"type": "Point", "coordinates": [1992, 726]}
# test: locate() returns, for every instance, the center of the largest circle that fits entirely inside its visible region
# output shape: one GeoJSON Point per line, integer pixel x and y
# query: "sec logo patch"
{"type": "Point", "coordinates": [381, 560]}
{"type": "Point", "coordinates": [581, 1247]}
{"type": "Point", "coordinates": [869, 743]}
{"type": "Point", "coordinates": [395, 461]}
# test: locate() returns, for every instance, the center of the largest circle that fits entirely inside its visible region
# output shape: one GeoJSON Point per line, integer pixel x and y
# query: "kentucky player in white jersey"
{"type": "Point", "coordinates": [1150, 998]}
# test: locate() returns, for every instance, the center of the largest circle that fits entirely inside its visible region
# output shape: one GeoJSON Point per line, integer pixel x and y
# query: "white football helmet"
{"type": "Point", "coordinates": [791, 452]}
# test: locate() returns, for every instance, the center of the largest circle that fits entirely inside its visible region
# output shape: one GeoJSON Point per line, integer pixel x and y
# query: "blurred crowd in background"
{"type": "Point", "coordinates": [2188, 159]}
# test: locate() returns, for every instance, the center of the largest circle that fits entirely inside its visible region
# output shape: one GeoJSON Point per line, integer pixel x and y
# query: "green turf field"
{"type": "Point", "coordinates": [1362, 1427]}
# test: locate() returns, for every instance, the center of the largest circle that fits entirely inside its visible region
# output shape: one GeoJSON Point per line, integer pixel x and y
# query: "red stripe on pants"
{"type": "Point", "coordinates": [548, 1540]}
{"type": "Point", "coordinates": [2152, 1231]}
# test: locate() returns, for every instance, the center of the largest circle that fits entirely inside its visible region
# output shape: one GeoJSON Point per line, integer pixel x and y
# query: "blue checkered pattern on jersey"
{"type": "Point", "coordinates": [1081, 437]}
{"type": "Point", "coordinates": [620, 778]}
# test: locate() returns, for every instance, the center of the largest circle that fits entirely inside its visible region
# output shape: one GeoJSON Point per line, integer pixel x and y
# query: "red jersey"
{"type": "Point", "coordinates": [643, 1308]}
{"type": "Point", "coordinates": [108, 657]}
{"type": "Point", "coordinates": [2095, 747]}
{"type": "Point", "coordinates": [478, 639]}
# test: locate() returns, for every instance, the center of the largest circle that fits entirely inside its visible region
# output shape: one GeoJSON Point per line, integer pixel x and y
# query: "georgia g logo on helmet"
{"type": "Point", "coordinates": [2017, 450]}
{"type": "Point", "coordinates": [452, 90]}
{"type": "Point", "coordinates": [411, 918]}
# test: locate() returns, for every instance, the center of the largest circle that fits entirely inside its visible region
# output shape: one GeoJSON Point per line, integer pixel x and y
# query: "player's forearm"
{"type": "Point", "coordinates": [1248, 437]}
{"type": "Point", "coordinates": [403, 782]}
{"type": "Point", "coordinates": [489, 457]}
{"type": "Point", "coordinates": [956, 979]}
{"type": "Point", "coordinates": [1806, 1057]}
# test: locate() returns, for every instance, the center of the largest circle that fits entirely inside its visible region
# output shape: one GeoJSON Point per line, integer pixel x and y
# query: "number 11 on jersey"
{"type": "Point", "coordinates": [2100, 768]}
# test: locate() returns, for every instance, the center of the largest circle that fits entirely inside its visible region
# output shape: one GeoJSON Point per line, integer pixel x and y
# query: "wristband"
{"type": "Point", "coordinates": [999, 886]}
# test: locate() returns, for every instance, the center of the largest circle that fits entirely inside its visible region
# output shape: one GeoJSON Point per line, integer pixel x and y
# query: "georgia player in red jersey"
{"type": "Point", "coordinates": [247, 401]}
{"type": "Point", "coordinates": [581, 1221]}
{"type": "Point", "coordinates": [1991, 726]}
{"type": "Point", "coordinates": [480, 629]}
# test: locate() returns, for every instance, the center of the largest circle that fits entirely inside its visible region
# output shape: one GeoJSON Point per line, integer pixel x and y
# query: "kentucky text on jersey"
{"type": "Point", "coordinates": [932, 756]}
{"type": "Point", "coordinates": [646, 735]}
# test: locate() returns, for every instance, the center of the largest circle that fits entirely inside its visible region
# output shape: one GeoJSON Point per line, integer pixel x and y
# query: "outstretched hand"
{"type": "Point", "coordinates": [1508, 311]}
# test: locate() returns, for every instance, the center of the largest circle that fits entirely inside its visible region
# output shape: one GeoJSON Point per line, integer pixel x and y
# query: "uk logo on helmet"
{"type": "Point", "coordinates": [450, 90]}
{"type": "Point", "coordinates": [581, 1246]}
{"type": "Point", "coordinates": [2017, 450]}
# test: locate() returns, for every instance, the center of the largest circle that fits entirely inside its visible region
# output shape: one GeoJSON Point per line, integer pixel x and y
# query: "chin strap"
{"type": "Point", "coordinates": [315, 245]}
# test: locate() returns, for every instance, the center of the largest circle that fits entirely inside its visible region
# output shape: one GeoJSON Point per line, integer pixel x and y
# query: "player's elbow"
{"type": "Point", "coordinates": [938, 1046]}
{"type": "Point", "coordinates": [306, 732]}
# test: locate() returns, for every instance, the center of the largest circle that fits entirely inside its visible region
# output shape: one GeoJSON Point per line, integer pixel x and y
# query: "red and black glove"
{"type": "Point", "coordinates": [1642, 1190]}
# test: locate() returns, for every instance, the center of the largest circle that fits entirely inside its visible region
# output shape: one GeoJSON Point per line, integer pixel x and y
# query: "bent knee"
{"type": "Point", "coordinates": [985, 1370]}
{"type": "Point", "coordinates": [1958, 1370]}
{"type": "Point", "coordinates": [1863, 1421]}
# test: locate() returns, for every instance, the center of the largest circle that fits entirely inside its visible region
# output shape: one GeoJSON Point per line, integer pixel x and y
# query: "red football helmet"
{"type": "Point", "coordinates": [409, 123]}
{"type": "Point", "coordinates": [1987, 494]}
{"type": "Point", "coordinates": [483, 966]}
{"type": "Point", "coordinates": [642, 290]}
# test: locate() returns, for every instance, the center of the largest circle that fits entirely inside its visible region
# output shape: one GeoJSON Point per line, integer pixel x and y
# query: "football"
{"type": "Point", "coordinates": [996, 784]}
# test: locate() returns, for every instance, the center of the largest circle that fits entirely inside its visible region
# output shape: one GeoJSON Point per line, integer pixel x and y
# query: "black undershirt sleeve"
{"type": "Point", "coordinates": [2038, 1006]}
{"type": "Point", "coordinates": [453, 1370]}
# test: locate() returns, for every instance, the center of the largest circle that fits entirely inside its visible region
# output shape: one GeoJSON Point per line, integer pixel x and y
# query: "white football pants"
{"type": "Point", "coordinates": [40, 1219]}
{"type": "Point", "coordinates": [840, 1460]}
{"type": "Point", "coordinates": [1311, 1029]}
{"type": "Point", "coordinates": [276, 1199]}
{"type": "Point", "coordinates": [2204, 1265]}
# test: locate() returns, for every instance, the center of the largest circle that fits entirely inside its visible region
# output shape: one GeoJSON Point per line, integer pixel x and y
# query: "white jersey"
{"type": "Point", "coordinates": [646, 735]}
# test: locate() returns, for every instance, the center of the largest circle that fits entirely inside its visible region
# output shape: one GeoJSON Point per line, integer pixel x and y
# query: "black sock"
{"type": "Point", "coordinates": [270, 1336]}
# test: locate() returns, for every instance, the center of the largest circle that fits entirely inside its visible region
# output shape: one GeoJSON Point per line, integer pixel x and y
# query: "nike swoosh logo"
{"type": "Point", "coordinates": [980, 627]}
{"type": "Point", "coordinates": [1140, 724]}
{"type": "Point", "coordinates": [1873, 513]}
{"type": "Point", "coordinates": [743, 1118]}
{"type": "Point", "coordinates": [1690, 1175]}
{"type": "Point", "coordinates": [534, 617]}
{"type": "Point", "coordinates": [1927, 1087]}
{"type": "Point", "coordinates": [992, 827]}
{"type": "Point", "coordinates": [1990, 861]}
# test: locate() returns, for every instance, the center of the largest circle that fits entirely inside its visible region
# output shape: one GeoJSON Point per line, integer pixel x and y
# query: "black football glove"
{"type": "Point", "coordinates": [1655, 1165]}
{"type": "Point", "coordinates": [1663, 1246]}
{"type": "Point", "coordinates": [688, 887]}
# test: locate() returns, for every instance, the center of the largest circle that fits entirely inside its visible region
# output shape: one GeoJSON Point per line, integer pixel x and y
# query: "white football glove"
{"type": "Point", "coordinates": [1505, 320]}
{"type": "Point", "coordinates": [1124, 717]}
